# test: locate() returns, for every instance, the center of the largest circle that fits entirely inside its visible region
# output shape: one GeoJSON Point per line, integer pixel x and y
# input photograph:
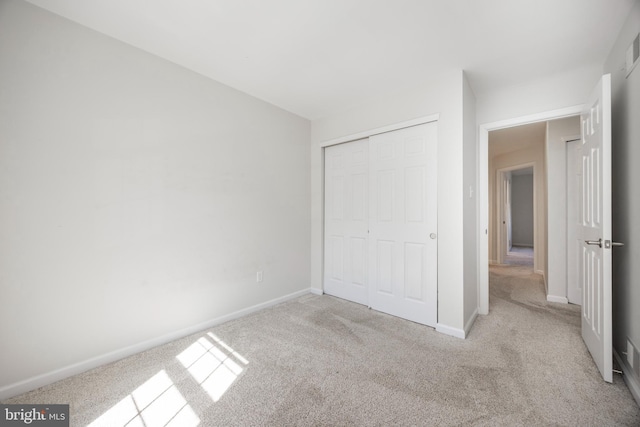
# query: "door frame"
{"type": "Point", "coordinates": [483, 189]}
{"type": "Point", "coordinates": [499, 200]}
{"type": "Point", "coordinates": [389, 128]}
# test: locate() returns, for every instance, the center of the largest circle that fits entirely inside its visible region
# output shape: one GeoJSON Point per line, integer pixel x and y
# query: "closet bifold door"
{"type": "Point", "coordinates": [346, 221]}
{"type": "Point", "coordinates": [403, 249]}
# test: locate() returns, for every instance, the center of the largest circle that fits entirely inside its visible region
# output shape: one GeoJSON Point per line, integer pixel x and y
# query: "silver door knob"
{"type": "Point", "coordinates": [594, 242]}
{"type": "Point", "coordinates": [608, 244]}
{"type": "Point", "coordinates": [433, 236]}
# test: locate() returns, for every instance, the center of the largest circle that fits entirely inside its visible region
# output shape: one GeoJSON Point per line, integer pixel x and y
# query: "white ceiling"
{"type": "Point", "coordinates": [317, 57]}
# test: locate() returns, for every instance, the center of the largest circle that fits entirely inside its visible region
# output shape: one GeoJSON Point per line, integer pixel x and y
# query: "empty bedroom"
{"type": "Point", "coordinates": [284, 213]}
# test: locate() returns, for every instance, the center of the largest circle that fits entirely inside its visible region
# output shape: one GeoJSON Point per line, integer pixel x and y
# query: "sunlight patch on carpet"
{"type": "Point", "coordinates": [157, 402]}
{"type": "Point", "coordinates": [213, 364]}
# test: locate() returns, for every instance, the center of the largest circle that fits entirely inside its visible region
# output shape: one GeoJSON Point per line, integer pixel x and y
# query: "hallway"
{"type": "Point", "coordinates": [519, 255]}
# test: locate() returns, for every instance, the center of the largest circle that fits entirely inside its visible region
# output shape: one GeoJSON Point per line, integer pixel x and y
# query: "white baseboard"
{"type": "Point", "coordinates": [33, 383]}
{"type": "Point", "coordinates": [316, 291]}
{"type": "Point", "coordinates": [456, 332]}
{"type": "Point", "coordinates": [470, 322]}
{"type": "Point", "coordinates": [448, 330]}
{"type": "Point", "coordinates": [554, 298]}
{"type": "Point", "coordinates": [629, 378]}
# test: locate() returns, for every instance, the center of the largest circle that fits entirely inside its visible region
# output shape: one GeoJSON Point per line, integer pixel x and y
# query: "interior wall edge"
{"type": "Point", "coordinates": [544, 279]}
{"type": "Point", "coordinates": [471, 321]}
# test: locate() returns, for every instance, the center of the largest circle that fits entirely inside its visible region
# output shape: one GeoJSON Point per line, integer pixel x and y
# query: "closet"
{"type": "Point", "coordinates": [380, 222]}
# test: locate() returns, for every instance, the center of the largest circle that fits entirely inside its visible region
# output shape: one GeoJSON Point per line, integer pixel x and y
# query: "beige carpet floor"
{"type": "Point", "coordinates": [319, 360]}
{"type": "Point", "coordinates": [520, 255]}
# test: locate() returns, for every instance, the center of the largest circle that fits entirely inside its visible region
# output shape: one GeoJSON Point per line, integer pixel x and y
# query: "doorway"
{"type": "Point", "coordinates": [484, 188]}
{"type": "Point", "coordinates": [517, 155]}
{"type": "Point", "coordinates": [517, 207]}
{"type": "Point", "coordinates": [595, 224]}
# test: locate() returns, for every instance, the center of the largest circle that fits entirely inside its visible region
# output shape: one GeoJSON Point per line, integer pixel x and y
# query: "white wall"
{"type": "Point", "coordinates": [137, 198]}
{"type": "Point", "coordinates": [522, 210]}
{"type": "Point", "coordinates": [558, 131]}
{"type": "Point", "coordinates": [625, 196]}
{"type": "Point", "coordinates": [547, 94]}
{"type": "Point", "coordinates": [443, 96]}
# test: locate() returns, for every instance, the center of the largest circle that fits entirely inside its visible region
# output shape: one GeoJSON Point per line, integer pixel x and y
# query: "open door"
{"type": "Point", "coordinates": [595, 227]}
{"type": "Point", "coordinates": [574, 206]}
{"type": "Point", "coordinates": [503, 181]}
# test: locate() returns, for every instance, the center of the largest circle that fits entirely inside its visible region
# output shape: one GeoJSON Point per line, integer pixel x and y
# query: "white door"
{"type": "Point", "coordinates": [403, 223]}
{"type": "Point", "coordinates": [507, 212]}
{"type": "Point", "coordinates": [595, 227]}
{"type": "Point", "coordinates": [574, 203]}
{"type": "Point", "coordinates": [503, 181]}
{"type": "Point", "coordinates": [346, 220]}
